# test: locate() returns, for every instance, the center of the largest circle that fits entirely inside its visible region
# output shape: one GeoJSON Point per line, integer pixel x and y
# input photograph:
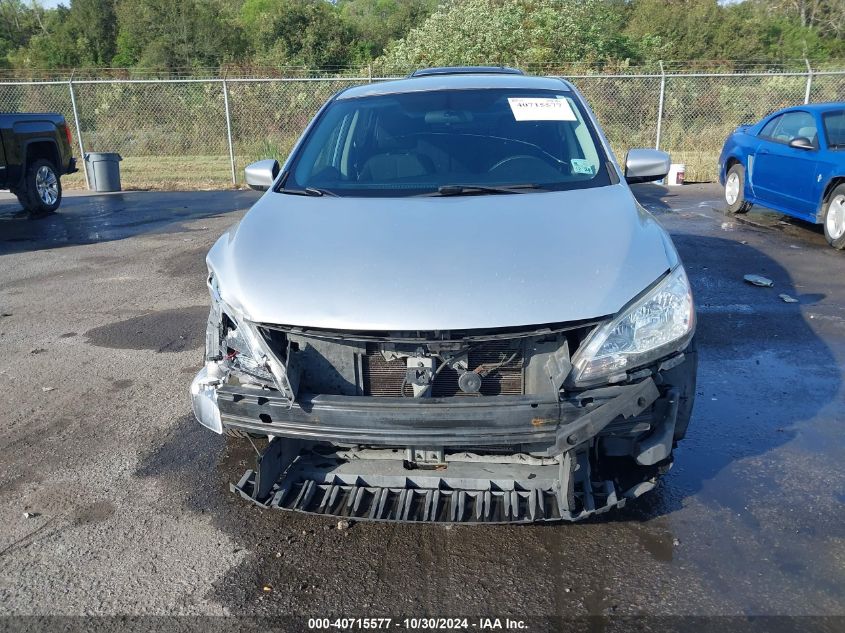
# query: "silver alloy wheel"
{"type": "Point", "coordinates": [835, 221]}
{"type": "Point", "coordinates": [47, 185]}
{"type": "Point", "coordinates": [732, 188]}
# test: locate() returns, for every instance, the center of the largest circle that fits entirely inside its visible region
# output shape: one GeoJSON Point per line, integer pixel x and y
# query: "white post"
{"type": "Point", "coordinates": [660, 106]}
{"type": "Point", "coordinates": [229, 132]}
{"type": "Point", "coordinates": [809, 81]}
{"type": "Point", "coordinates": [78, 132]}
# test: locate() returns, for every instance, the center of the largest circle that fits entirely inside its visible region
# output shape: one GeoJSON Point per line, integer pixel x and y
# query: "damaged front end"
{"type": "Point", "coordinates": [540, 423]}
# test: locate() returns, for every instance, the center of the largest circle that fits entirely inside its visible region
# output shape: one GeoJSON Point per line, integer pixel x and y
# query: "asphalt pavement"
{"type": "Point", "coordinates": [115, 501]}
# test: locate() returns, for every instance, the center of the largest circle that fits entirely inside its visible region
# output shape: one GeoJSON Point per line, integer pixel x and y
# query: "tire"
{"type": "Point", "coordinates": [833, 218]}
{"type": "Point", "coordinates": [41, 191]}
{"type": "Point", "coordinates": [735, 190]}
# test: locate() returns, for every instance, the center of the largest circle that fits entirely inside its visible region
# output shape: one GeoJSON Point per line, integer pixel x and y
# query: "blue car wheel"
{"type": "Point", "coordinates": [833, 218]}
{"type": "Point", "coordinates": [735, 190]}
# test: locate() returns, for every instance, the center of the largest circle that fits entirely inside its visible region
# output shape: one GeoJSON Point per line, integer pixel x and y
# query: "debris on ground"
{"type": "Point", "coordinates": [31, 515]}
{"type": "Point", "coordinates": [37, 350]}
{"type": "Point", "coordinates": [343, 524]}
{"type": "Point", "coordinates": [676, 542]}
{"type": "Point", "coordinates": [728, 226]}
{"type": "Point", "coordinates": [759, 280]}
{"type": "Point", "coordinates": [787, 299]}
{"type": "Point", "coordinates": [48, 388]}
{"type": "Point", "coordinates": [5, 314]}
{"type": "Point", "coordinates": [267, 589]}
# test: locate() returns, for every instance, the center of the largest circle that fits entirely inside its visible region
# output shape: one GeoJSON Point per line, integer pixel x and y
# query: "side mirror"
{"type": "Point", "coordinates": [802, 142]}
{"type": "Point", "coordinates": [261, 174]}
{"type": "Point", "coordinates": [646, 165]}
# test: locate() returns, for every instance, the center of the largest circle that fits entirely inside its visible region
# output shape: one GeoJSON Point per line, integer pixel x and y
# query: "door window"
{"type": "Point", "coordinates": [768, 130]}
{"type": "Point", "coordinates": [794, 125]}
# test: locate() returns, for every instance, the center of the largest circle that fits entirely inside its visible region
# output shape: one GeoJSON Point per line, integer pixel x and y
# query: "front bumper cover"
{"type": "Point", "coordinates": [506, 458]}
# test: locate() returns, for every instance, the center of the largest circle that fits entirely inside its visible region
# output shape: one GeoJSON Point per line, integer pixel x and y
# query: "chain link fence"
{"type": "Point", "coordinates": [200, 133]}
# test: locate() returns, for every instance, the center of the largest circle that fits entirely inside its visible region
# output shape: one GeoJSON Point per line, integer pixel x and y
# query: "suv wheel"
{"type": "Point", "coordinates": [833, 218]}
{"type": "Point", "coordinates": [42, 188]}
{"type": "Point", "coordinates": [735, 190]}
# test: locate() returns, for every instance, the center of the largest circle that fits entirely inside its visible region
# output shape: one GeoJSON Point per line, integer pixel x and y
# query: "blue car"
{"type": "Point", "coordinates": [792, 161]}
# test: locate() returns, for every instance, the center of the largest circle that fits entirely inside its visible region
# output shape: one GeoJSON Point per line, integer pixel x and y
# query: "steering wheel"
{"type": "Point", "coordinates": [528, 157]}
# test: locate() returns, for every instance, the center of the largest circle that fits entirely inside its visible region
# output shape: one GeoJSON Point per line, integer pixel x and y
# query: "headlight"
{"type": "Point", "coordinates": [230, 339]}
{"type": "Point", "coordinates": [659, 323]}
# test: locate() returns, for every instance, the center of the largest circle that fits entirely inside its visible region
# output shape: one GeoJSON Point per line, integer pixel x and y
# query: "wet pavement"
{"type": "Point", "coordinates": [103, 308]}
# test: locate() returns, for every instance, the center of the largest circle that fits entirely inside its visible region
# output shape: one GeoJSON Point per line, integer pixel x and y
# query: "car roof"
{"type": "Point", "coordinates": [461, 81]}
{"type": "Point", "coordinates": [814, 107]}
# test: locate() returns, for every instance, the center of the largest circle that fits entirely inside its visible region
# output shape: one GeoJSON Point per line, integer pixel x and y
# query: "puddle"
{"type": "Point", "coordinates": [656, 541]}
{"type": "Point", "coordinates": [163, 331]}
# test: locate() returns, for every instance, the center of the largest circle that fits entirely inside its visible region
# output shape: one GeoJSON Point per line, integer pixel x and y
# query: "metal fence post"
{"type": "Point", "coordinates": [660, 106]}
{"type": "Point", "coordinates": [369, 73]}
{"type": "Point", "coordinates": [809, 81]}
{"type": "Point", "coordinates": [78, 132]}
{"type": "Point", "coordinates": [229, 131]}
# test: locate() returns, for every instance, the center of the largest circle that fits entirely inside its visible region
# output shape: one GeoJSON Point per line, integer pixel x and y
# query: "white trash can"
{"type": "Point", "coordinates": [676, 174]}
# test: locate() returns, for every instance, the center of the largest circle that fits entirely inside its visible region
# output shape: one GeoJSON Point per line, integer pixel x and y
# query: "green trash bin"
{"type": "Point", "coordinates": [103, 170]}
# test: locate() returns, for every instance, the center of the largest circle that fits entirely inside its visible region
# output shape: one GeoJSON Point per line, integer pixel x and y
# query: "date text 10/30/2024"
{"type": "Point", "coordinates": [417, 624]}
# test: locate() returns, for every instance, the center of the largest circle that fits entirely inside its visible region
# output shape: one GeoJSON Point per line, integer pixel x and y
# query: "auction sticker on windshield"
{"type": "Point", "coordinates": [541, 109]}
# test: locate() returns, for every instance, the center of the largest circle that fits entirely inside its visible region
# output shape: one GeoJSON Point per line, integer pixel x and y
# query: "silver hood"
{"type": "Point", "coordinates": [440, 263]}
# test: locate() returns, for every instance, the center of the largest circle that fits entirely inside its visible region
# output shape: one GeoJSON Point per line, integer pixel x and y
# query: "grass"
{"type": "Point", "coordinates": [701, 166]}
{"type": "Point", "coordinates": [170, 173]}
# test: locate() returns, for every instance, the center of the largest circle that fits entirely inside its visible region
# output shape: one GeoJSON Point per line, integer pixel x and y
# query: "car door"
{"type": "Point", "coordinates": [831, 163]}
{"type": "Point", "coordinates": [784, 176]}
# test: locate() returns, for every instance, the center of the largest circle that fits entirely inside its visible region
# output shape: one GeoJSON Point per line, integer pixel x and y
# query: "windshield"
{"type": "Point", "coordinates": [834, 129]}
{"type": "Point", "coordinates": [449, 142]}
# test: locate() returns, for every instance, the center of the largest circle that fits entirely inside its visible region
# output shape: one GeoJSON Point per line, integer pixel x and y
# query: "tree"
{"type": "Point", "coordinates": [168, 35]}
{"type": "Point", "coordinates": [18, 24]}
{"type": "Point", "coordinates": [825, 16]}
{"type": "Point", "coordinates": [515, 31]}
{"type": "Point", "coordinates": [296, 32]}
{"type": "Point", "coordinates": [374, 23]}
{"type": "Point", "coordinates": [706, 29]}
{"type": "Point", "coordinates": [94, 26]}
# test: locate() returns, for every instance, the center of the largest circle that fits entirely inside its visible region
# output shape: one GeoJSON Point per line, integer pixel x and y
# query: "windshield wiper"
{"type": "Point", "coordinates": [471, 190]}
{"type": "Point", "coordinates": [308, 191]}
